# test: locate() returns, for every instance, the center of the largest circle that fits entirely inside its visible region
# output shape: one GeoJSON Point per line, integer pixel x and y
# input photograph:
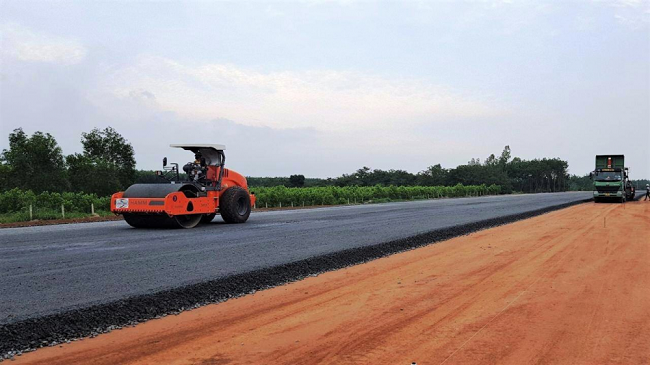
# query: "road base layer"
{"type": "Point", "coordinates": [570, 286]}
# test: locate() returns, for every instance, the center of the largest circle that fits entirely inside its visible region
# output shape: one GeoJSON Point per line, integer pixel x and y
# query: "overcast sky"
{"type": "Point", "coordinates": [323, 88]}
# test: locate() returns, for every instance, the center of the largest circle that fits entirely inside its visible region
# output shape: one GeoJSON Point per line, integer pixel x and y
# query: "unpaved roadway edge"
{"type": "Point", "coordinates": [30, 334]}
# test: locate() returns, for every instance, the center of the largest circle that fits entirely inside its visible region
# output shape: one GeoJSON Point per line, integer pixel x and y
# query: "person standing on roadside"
{"type": "Point", "coordinates": [647, 192]}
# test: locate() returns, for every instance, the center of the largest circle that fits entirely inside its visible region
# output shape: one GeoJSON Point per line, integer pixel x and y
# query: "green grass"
{"type": "Point", "coordinates": [46, 214]}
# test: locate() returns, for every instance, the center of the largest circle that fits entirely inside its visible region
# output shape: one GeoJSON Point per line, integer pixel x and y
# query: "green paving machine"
{"type": "Point", "coordinates": [611, 180]}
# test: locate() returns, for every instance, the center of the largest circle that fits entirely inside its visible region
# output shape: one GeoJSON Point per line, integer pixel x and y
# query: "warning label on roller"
{"type": "Point", "coordinates": [122, 203]}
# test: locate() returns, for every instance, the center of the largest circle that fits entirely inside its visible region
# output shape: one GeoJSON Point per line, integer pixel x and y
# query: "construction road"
{"type": "Point", "coordinates": [570, 286]}
{"type": "Point", "coordinates": [50, 269]}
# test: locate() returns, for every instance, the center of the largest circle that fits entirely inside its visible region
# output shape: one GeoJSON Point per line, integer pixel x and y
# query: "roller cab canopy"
{"type": "Point", "coordinates": [211, 152]}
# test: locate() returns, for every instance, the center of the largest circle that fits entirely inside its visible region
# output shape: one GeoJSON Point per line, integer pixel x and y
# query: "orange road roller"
{"type": "Point", "coordinates": [204, 189]}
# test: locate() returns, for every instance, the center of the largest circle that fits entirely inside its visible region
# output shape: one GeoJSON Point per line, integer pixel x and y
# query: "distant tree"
{"type": "Point", "coordinates": [5, 178]}
{"type": "Point", "coordinates": [368, 177]}
{"type": "Point", "coordinates": [108, 146]}
{"type": "Point", "coordinates": [580, 183]}
{"type": "Point", "coordinates": [433, 176]}
{"type": "Point", "coordinates": [297, 181]}
{"type": "Point", "coordinates": [505, 157]}
{"type": "Point", "coordinates": [93, 175]}
{"type": "Point", "coordinates": [640, 184]}
{"type": "Point", "coordinates": [491, 160]}
{"type": "Point", "coordinates": [538, 175]}
{"type": "Point", "coordinates": [363, 176]}
{"type": "Point", "coordinates": [284, 181]}
{"type": "Point", "coordinates": [267, 181]}
{"type": "Point", "coordinates": [147, 177]}
{"type": "Point", "coordinates": [34, 163]}
{"type": "Point", "coordinates": [480, 174]}
{"type": "Point", "coordinates": [510, 173]}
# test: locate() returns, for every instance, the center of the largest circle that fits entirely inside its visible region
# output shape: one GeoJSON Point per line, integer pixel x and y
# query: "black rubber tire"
{"type": "Point", "coordinates": [207, 218]}
{"type": "Point", "coordinates": [235, 205]}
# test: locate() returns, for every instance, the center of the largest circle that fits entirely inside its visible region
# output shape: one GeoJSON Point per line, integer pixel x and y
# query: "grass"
{"type": "Point", "coordinates": [47, 214]}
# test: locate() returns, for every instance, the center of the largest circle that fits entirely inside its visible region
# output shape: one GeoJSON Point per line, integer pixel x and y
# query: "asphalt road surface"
{"type": "Point", "coordinates": [50, 269]}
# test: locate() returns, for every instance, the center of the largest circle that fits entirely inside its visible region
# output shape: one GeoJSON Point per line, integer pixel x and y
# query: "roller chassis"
{"type": "Point", "coordinates": [185, 204]}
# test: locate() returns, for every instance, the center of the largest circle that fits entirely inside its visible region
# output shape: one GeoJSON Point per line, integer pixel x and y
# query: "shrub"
{"type": "Point", "coordinates": [16, 200]}
{"type": "Point", "coordinates": [328, 195]}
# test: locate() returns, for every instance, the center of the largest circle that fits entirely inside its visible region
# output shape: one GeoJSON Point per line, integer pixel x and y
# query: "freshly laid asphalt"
{"type": "Point", "coordinates": [53, 269]}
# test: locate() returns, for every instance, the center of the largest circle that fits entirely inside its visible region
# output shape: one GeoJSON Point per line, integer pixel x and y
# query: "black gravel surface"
{"type": "Point", "coordinates": [71, 281]}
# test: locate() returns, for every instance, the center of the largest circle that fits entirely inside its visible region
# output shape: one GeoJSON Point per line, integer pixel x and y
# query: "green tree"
{"type": "Point", "coordinates": [433, 176]}
{"type": "Point", "coordinates": [491, 160]}
{"type": "Point", "coordinates": [90, 175]}
{"type": "Point", "coordinates": [505, 157]}
{"type": "Point", "coordinates": [580, 183]}
{"type": "Point", "coordinates": [297, 181]}
{"type": "Point", "coordinates": [480, 174]}
{"type": "Point", "coordinates": [108, 146]}
{"type": "Point", "coordinates": [5, 178]}
{"type": "Point", "coordinates": [34, 163]}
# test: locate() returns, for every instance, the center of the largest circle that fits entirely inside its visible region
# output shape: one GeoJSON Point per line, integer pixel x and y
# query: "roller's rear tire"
{"type": "Point", "coordinates": [235, 205]}
{"type": "Point", "coordinates": [207, 218]}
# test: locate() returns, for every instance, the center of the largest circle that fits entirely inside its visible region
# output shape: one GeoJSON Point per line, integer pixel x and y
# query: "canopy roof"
{"type": "Point", "coordinates": [218, 147]}
{"type": "Point", "coordinates": [213, 153]}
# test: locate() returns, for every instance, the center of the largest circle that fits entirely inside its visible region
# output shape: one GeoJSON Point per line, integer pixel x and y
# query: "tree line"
{"type": "Point", "coordinates": [37, 163]}
{"type": "Point", "coordinates": [511, 174]}
{"type": "Point", "coordinates": [107, 164]}
{"type": "Point", "coordinates": [584, 183]}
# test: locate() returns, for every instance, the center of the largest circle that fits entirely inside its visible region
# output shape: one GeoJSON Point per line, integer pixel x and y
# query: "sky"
{"type": "Point", "coordinates": [323, 88]}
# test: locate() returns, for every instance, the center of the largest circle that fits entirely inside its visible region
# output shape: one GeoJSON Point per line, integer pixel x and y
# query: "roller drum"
{"type": "Point", "coordinates": [159, 220]}
{"type": "Point", "coordinates": [151, 190]}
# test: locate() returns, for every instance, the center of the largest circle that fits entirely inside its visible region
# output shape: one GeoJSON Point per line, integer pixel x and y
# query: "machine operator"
{"type": "Point", "coordinates": [196, 170]}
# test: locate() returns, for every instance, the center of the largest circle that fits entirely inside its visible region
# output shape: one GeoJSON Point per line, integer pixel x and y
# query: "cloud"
{"type": "Point", "coordinates": [24, 44]}
{"type": "Point", "coordinates": [633, 14]}
{"type": "Point", "coordinates": [325, 100]}
{"type": "Point", "coordinates": [623, 3]}
{"type": "Point", "coordinates": [634, 22]}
